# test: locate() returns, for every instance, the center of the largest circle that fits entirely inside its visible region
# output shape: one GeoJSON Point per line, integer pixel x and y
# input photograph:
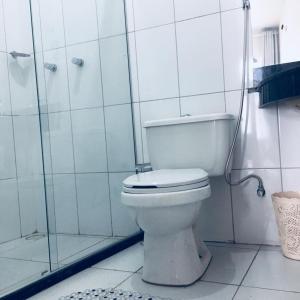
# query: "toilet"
{"type": "Point", "coordinates": [165, 203]}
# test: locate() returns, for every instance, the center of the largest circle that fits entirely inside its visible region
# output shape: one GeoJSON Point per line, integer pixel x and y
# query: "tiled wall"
{"type": "Point", "coordinates": [86, 118]}
{"type": "Point", "coordinates": [186, 58]}
{"type": "Point", "coordinates": [21, 183]}
{"type": "Point", "coordinates": [86, 113]}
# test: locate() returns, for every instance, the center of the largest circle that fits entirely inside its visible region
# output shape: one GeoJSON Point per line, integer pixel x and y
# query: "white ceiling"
{"type": "Point", "coordinates": [265, 13]}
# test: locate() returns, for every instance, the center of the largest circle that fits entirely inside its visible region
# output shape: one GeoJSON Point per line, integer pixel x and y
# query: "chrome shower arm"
{"type": "Point", "coordinates": [16, 54]}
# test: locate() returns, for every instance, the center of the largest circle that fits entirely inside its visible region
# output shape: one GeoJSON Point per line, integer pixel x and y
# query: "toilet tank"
{"type": "Point", "coordinates": [190, 142]}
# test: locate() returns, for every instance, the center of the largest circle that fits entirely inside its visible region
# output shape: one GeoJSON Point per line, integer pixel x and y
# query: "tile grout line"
{"type": "Point", "coordinates": [177, 59]}
{"type": "Point", "coordinates": [104, 124]}
{"type": "Point", "coordinates": [138, 84]}
{"type": "Point", "coordinates": [240, 285]}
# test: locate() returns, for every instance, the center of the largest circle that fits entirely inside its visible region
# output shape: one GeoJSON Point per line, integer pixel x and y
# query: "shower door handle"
{"type": "Point", "coordinates": [16, 54]}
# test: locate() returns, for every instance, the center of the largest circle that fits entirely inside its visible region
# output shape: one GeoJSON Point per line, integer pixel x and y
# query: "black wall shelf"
{"type": "Point", "coordinates": [277, 83]}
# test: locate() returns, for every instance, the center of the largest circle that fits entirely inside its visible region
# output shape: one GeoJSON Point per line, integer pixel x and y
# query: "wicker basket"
{"type": "Point", "coordinates": [287, 211]}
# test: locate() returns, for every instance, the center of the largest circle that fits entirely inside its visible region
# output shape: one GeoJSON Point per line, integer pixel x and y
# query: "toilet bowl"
{"type": "Point", "coordinates": [165, 204]}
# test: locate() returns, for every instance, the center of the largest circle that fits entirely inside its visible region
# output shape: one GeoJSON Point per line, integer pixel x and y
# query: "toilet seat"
{"type": "Point", "coordinates": [166, 181]}
{"type": "Point", "coordinates": [163, 188]}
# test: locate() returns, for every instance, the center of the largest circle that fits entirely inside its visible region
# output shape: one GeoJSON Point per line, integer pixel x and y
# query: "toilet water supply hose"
{"type": "Point", "coordinates": [260, 189]}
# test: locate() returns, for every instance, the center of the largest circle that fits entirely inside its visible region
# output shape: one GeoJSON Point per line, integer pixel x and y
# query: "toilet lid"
{"type": "Point", "coordinates": [168, 179]}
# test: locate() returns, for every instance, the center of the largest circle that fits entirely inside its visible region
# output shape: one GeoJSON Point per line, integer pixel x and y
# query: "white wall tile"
{"type": "Point", "coordinates": [85, 82]}
{"type": "Point", "coordinates": [2, 30]}
{"type": "Point", "coordinates": [138, 133]}
{"type": "Point", "coordinates": [66, 214]}
{"type": "Point", "coordinates": [157, 63]}
{"type": "Point", "coordinates": [80, 19]}
{"type": "Point", "coordinates": [200, 56]}
{"type": "Point", "coordinates": [22, 85]}
{"type": "Point", "coordinates": [57, 82]}
{"type": "Point", "coordinates": [203, 104]}
{"type": "Point", "coordinates": [27, 145]}
{"type": "Point", "coordinates": [31, 196]}
{"type": "Point", "coordinates": [185, 9]}
{"type": "Point", "coordinates": [254, 219]}
{"type": "Point", "coordinates": [111, 17]}
{"type": "Point", "coordinates": [122, 222]}
{"type": "Point", "coordinates": [149, 13]}
{"type": "Point", "coordinates": [93, 204]}
{"type": "Point", "coordinates": [7, 152]}
{"type": "Point", "coordinates": [45, 132]}
{"type": "Point", "coordinates": [39, 60]}
{"type": "Point", "coordinates": [155, 110]}
{"type": "Point", "coordinates": [119, 136]}
{"type": "Point", "coordinates": [114, 64]}
{"type": "Point", "coordinates": [36, 26]}
{"type": "Point", "coordinates": [233, 38]}
{"type": "Point", "coordinates": [61, 142]}
{"type": "Point", "coordinates": [9, 211]}
{"type": "Point", "coordinates": [215, 220]}
{"type": "Point", "coordinates": [17, 26]}
{"type": "Point", "coordinates": [289, 124]}
{"type": "Point", "coordinates": [133, 67]}
{"type": "Point", "coordinates": [291, 180]}
{"type": "Point", "coordinates": [89, 140]}
{"type": "Point", "coordinates": [52, 24]}
{"type": "Point", "coordinates": [258, 133]}
{"type": "Point", "coordinates": [129, 15]}
{"type": "Point", "coordinates": [5, 107]}
{"type": "Point", "coordinates": [230, 4]}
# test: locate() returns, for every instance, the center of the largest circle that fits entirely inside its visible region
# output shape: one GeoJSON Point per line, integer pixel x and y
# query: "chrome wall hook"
{"type": "Point", "coordinates": [78, 61]}
{"type": "Point", "coordinates": [50, 67]}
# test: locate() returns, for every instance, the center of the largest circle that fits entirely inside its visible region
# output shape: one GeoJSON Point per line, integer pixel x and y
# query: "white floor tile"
{"type": "Point", "coordinates": [89, 250]}
{"type": "Point", "coordinates": [228, 265]}
{"type": "Point", "coordinates": [37, 250]}
{"type": "Point", "coordinates": [88, 279]}
{"type": "Point", "coordinates": [130, 259]}
{"type": "Point", "coordinates": [15, 271]}
{"type": "Point", "coordinates": [200, 290]}
{"type": "Point", "coordinates": [273, 271]}
{"type": "Point", "coordinates": [231, 245]}
{"type": "Point", "coordinates": [246, 293]}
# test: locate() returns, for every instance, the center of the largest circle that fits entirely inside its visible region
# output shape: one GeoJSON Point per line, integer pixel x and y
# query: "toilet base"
{"type": "Point", "coordinates": [174, 260]}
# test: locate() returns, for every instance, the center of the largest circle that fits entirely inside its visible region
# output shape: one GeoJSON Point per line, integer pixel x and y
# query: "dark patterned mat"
{"type": "Point", "coordinates": [111, 294]}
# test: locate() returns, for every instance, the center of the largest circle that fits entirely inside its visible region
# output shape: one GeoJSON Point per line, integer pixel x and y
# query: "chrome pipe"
{"type": "Point", "coordinates": [261, 192]}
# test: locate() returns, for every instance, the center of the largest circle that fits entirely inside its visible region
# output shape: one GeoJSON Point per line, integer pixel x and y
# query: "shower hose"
{"type": "Point", "coordinates": [260, 189]}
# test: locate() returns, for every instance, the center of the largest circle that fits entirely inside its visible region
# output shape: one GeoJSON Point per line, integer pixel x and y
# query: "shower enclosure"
{"type": "Point", "coordinates": [66, 134]}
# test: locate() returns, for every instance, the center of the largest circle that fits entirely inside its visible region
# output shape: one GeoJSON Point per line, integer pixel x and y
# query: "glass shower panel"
{"type": "Point", "coordinates": [86, 116]}
{"type": "Point", "coordinates": [24, 255]}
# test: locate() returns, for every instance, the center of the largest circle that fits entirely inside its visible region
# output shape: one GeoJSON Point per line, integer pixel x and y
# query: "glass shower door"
{"type": "Point", "coordinates": [86, 116]}
{"type": "Point", "coordinates": [24, 252]}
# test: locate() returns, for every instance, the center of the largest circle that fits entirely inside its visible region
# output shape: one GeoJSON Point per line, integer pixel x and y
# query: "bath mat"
{"type": "Point", "coordinates": [109, 294]}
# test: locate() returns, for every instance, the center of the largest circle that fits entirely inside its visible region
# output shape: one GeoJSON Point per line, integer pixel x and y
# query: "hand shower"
{"type": "Point", "coordinates": [261, 192]}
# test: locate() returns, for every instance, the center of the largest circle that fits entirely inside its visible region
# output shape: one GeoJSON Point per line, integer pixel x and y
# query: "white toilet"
{"type": "Point", "coordinates": [165, 202]}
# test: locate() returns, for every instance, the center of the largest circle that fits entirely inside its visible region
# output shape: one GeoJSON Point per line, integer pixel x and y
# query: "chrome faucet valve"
{"type": "Point", "coordinates": [78, 61]}
{"type": "Point", "coordinates": [50, 67]}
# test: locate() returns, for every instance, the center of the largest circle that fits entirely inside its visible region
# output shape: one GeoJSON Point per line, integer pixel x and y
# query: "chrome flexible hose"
{"type": "Point", "coordinates": [260, 189]}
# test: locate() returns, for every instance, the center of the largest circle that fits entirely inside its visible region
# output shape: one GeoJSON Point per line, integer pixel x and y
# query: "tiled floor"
{"type": "Point", "coordinates": [25, 259]}
{"type": "Point", "coordinates": [240, 272]}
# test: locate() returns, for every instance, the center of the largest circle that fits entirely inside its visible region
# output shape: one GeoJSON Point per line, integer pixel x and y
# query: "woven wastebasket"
{"type": "Point", "coordinates": [287, 211]}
